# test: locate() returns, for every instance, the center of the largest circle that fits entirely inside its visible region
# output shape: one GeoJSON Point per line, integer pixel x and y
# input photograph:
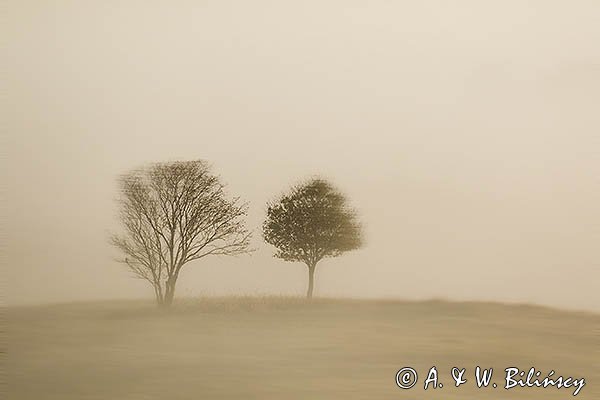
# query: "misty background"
{"type": "Point", "coordinates": [465, 133]}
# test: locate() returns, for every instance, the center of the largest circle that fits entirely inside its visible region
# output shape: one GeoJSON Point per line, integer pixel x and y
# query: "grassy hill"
{"type": "Point", "coordinates": [286, 348]}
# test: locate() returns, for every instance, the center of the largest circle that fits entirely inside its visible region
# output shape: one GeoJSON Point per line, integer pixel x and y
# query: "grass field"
{"type": "Point", "coordinates": [286, 348]}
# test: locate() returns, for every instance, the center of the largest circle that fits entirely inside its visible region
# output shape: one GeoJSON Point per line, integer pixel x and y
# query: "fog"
{"type": "Point", "coordinates": [464, 133]}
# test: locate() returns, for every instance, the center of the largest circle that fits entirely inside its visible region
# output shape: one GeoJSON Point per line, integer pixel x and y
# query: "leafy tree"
{"type": "Point", "coordinates": [174, 213]}
{"type": "Point", "coordinates": [311, 222]}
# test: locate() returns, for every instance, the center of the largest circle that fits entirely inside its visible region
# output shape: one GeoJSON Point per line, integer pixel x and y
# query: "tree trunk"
{"type": "Point", "coordinates": [169, 292]}
{"type": "Point", "coordinates": [311, 281]}
{"type": "Point", "coordinates": [158, 295]}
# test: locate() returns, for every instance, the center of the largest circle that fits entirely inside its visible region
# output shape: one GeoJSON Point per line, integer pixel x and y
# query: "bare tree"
{"type": "Point", "coordinates": [174, 213]}
{"type": "Point", "coordinates": [309, 223]}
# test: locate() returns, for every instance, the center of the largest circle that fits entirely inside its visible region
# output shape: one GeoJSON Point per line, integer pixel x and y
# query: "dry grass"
{"type": "Point", "coordinates": [288, 348]}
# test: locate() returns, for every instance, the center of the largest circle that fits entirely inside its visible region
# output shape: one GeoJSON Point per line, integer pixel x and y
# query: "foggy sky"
{"type": "Point", "coordinates": [465, 133]}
